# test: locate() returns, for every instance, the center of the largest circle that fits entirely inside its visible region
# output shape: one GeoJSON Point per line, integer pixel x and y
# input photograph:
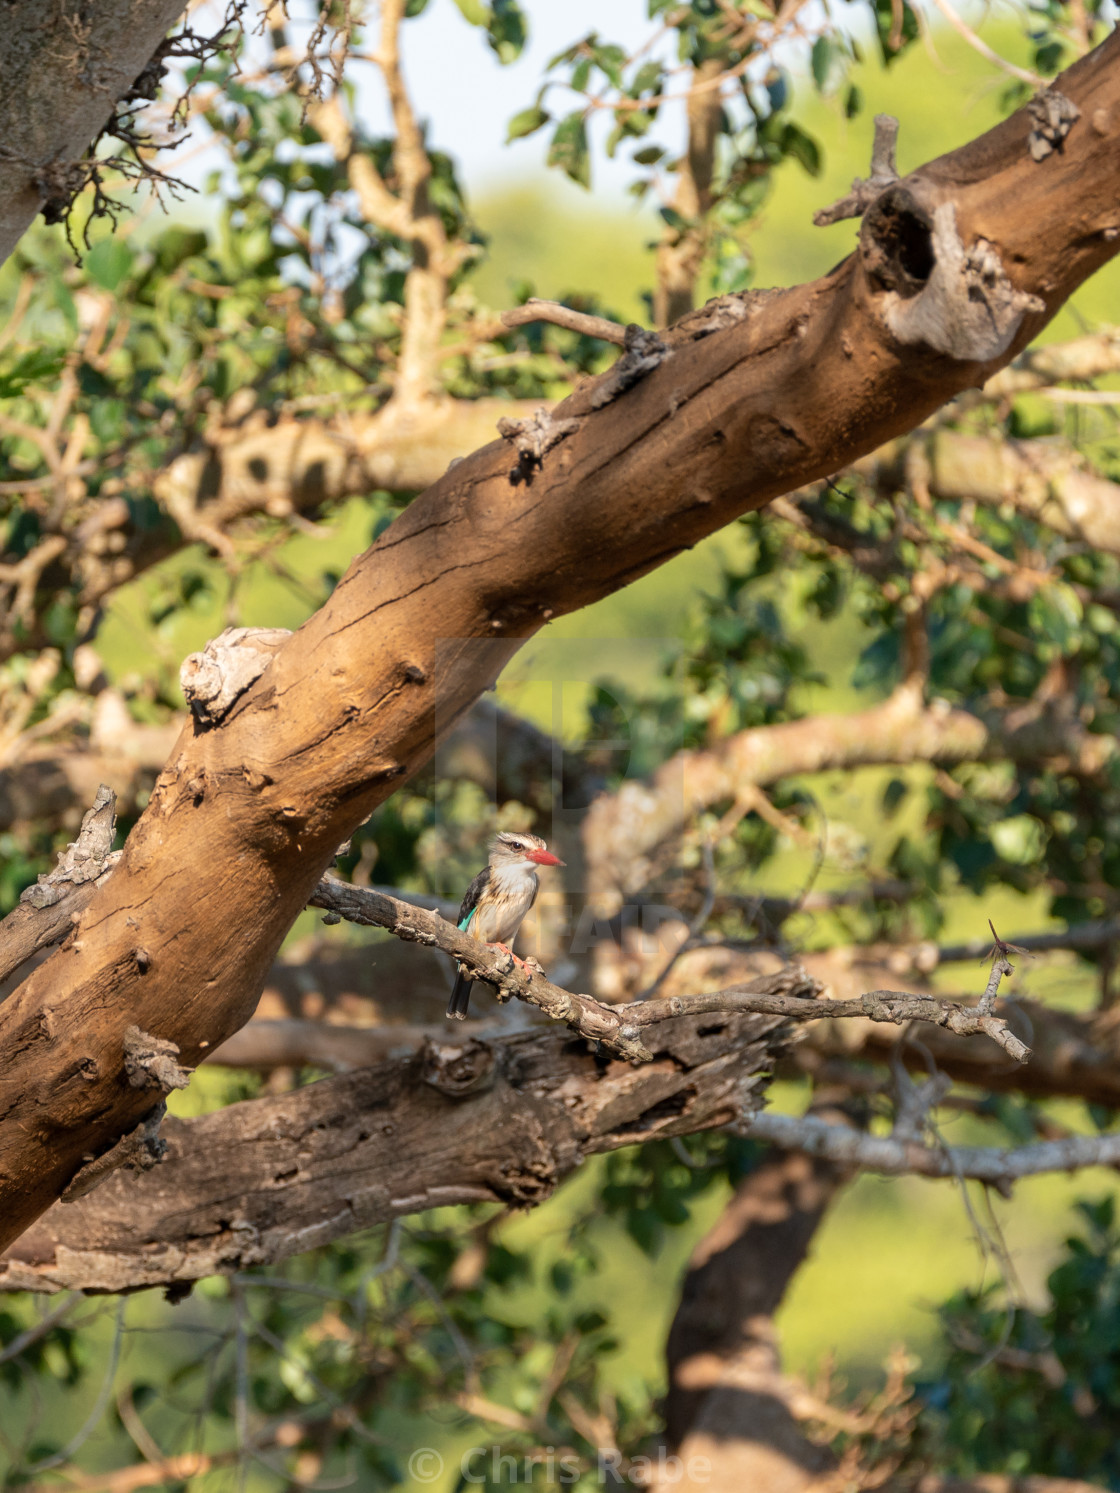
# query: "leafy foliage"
{"type": "Point", "coordinates": [1038, 1392]}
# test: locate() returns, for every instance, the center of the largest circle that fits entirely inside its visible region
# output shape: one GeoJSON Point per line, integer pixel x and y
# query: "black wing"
{"type": "Point", "coordinates": [461, 990]}
{"type": "Point", "coordinates": [473, 893]}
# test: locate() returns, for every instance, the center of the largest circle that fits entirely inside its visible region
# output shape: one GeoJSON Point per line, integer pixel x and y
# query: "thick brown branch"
{"type": "Point", "coordinates": [1071, 1056]}
{"type": "Point", "coordinates": [268, 1045]}
{"type": "Point", "coordinates": [681, 252]}
{"type": "Point", "coordinates": [59, 82]}
{"type": "Point", "coordinates": [407, 213]}
{"type": "Point", "coordinates": [753, 397]}
{"type": "Point", "coordinates": [1047, 482]}
{"type": "Point", "coordinates": [46, 783]}
{"type": "Point", "coordinates": [1080, 359]}
{"type": "Point", "coordinates": [728, 1400]}
{"type": "Point", "coordinates": [501, 1122]}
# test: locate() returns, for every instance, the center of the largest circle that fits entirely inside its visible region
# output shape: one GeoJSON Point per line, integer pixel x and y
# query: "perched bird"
{"type": "Point", "coordinates": [498, 899]}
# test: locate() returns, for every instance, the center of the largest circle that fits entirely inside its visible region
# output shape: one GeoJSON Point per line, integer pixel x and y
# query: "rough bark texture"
{"type": "Point", "coordinates": [1074, 1057]}
{"type": "Point", "coordinates": [501, 1122]}
{"type": "Point", "coordinates": [63, 67]}
{"type": "Point", "coordinates": [751, 396]}
{"type": "Point", "coordinates": [725, 1401]}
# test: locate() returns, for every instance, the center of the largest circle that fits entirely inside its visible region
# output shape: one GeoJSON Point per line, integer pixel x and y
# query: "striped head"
{"type": "Point", "coordinates": [510, 850]}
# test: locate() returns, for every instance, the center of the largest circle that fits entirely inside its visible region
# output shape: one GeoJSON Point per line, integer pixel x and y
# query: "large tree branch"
{"type": "Point", "coordinates": [623, 829]}
{"type": "Point", "coordinates": [1044, 481]}
{"type": "Point", "coordinates": [1071, 1056]}
{"type": "Point", "coordinates": [681, 251]}
{"type": "Point", "coordinates": [486, 1122]}
{"type": "Point", "coordinates": [749, 398]}
{"type": "Point", "coordinates": [727, 1400]}
{"type": "Point", "coordinates": [297, 465]}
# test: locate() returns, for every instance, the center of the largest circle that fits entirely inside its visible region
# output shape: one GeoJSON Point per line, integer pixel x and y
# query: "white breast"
{"type": "Point", "coordinates": [511, 893]}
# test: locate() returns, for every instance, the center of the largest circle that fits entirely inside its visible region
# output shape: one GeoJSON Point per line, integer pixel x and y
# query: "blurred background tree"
{"type": "Point", "coordinates": [207, 410]}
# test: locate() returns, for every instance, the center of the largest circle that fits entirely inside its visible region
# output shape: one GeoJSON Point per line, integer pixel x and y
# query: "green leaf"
{"type": "Point", "coordinates": [569, 54]}
{"type": "Point", "coordinates": [821, 61]}
{"type": "Point", "coordinates": [610, 60]}
{"type": "Point", "coordinates": [33, 367]}
{"type": "Point", "coordinates": [64, 301]}
{"type": "Point", "coordinates": [649, 155]}
{"type": "Point", "coordinates": [474, 12]}
{"type": "Point", "coordinates": [528, 122]}
{"type": "Point", "coordinates": [853, 102]}
{"type": "Point", "coordinates": [176, 244]}
{"type": "Point", "coordinates": [802, 147]}
{"type": "Point", "coordinates": [1020, 839]}
{"type": "Point", "coordinates": [646, 80]}
{"type": "Point", "coordinates": [508, 30]}
{"type": "Point", "coordinates": [777, 90]}
{"type": "Point", "coordinates": [415, 8]}
{"type": "Point", "coordinates": [568, 149]}
{"type": "Point", "coordinates": [109, 262]}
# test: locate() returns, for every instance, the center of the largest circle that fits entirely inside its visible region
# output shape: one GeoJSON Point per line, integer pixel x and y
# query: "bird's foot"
{"type": "Point", "coordinates": [526, 966]}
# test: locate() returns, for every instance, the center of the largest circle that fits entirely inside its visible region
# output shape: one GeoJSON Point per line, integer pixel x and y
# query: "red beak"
{"type": "Point", "coordinates": [543, 858]}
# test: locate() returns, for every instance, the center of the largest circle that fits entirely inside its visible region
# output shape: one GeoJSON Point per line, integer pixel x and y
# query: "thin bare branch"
{"type": "Point", "coordinates": [893, 1006]}
{"type": "Point", "coordinates": [619, 1028]}
{"type": "Point", "coordinates": [875, 1153]}
{"type": "Point", "coordinates": [535, 310]}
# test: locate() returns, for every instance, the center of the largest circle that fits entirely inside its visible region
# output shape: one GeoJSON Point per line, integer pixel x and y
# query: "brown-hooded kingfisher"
{"type": "Point", "coordinates": [497, 901]}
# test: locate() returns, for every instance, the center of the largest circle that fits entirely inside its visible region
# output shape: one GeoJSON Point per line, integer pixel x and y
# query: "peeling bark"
{"type": "Point", "coordinates": [500, 1122]}
{"type": "Point", "coordinates": [801, 384]}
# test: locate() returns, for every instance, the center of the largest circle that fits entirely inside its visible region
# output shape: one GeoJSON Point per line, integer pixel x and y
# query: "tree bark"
{"type": "Point", "coordinates": [62, 71]}
{"type": "Point", "coordinates": [500, 1122]}
{"type": "Point", "coordinates": [749, 397]}
{"type": "Point", "coordinates": [727, 1402]}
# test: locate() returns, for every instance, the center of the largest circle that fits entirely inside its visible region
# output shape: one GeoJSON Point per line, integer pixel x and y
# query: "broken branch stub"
{"type": "Point", "coordinates": [533, 438]}
{"type": "Point", "coordinates": [214, 679]}
{"type": "Point", "coordinates": [1053, 116]}
{"type": "Point", "coordinates": [938, 293]}
{"type": "Point", "coordinates": [865, 190]}
{"type": "Point", "coordinates": [82, 860]}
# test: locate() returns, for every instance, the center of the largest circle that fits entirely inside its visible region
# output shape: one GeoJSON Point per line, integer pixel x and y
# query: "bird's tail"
{"type": "Point", "coordinates": [460, 997]}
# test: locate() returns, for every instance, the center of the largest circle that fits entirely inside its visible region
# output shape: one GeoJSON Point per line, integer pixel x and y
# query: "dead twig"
{"type": "Point", "coordinates": [535, 310]}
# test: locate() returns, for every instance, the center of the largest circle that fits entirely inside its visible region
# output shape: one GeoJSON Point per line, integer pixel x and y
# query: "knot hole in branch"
{"type": "Point", "coordinates": [897, 240]}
